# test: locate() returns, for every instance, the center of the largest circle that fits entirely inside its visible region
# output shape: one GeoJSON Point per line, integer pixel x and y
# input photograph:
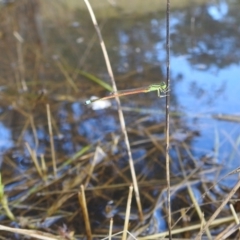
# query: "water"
{"type": "Point", "coordinates": [204, 82]}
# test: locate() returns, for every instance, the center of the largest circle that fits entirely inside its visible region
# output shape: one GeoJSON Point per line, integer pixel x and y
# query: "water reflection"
{"type": "Point", "coordinates": [211, 41]}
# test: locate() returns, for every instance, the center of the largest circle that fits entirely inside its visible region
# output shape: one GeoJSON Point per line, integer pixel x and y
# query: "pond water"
{"type": "Point", "coordinates": [44, 52]}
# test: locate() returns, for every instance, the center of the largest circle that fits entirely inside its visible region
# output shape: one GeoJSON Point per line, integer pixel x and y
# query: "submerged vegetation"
{"type": "Point", "coordinates": [71, 171]}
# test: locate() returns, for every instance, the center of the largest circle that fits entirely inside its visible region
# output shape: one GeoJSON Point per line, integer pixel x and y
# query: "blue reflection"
{"type": "Point", "coordinates": [96, 129]}
{"type": "Point", "coordinates": [219, 11]}
{"type": "Point", "coordinates": [77, 110]}
{"type": "Point", "coordinates": [6, 141]}
{"type": "Point", "coordinates": [160, 220]}
{"type": "Point", "coordinates": [203, 93]}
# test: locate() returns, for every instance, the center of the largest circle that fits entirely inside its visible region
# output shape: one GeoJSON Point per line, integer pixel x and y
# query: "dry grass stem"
{"type": "Point", "coordinates": [234, 214]}
{"type": "Point", "coordinates": [128, 208]}
{"type": "Point", "coordinates": [118, 233]}
{"type": "Point", "coordinates": [83, 204]}
{"type": "Point", "coordinates": [198, 209]}
{"type": "Point", "coordinates": [215, 214]}
{"type": "Point", "coordinates": [51, 141]}
{"type": "Point", "coordinates": [20, 110]}
{"type": "Point", "coordinates": [120, 113]}
{"type": "Point", "coordinates": [110, 229]}
{"type": "Point", "coordinates": [228, 231]}
{"type": "Point", "coordinates": [98, 156]}
{"type": "Point", "coordinates": [154, 140]}
{"type": "Point", "coordinates": [66, 75]}
{"type": "Point", "coordinates": [193, 227]}
{"type": "Point", "coordinates": [203, 195]}
{"type": "Point", "coordinates": [21, 65]}
{"type": "Point", "coordinates": [34, 130]}
{"type": "Point", "coordinates": [44, 167]}
{"type": "Point", "coordinates": [25, 126]}
{"type": "Point", "coordinates": [34, 159]}
{"type": "Point", "coordinates": [169, 218]}
{"type": "Point", "coordinates": [4, 201]}
{"type": "Point", "coordinates": [57, 205]}
{"type": "Point", "coordinates": [30, 233]}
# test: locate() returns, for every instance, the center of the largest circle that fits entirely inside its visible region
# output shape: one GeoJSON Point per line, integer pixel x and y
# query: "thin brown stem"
{"type": "Point", "coordinates": [120, 112]}
{"type": "Point", "coordinates": [167, 121]}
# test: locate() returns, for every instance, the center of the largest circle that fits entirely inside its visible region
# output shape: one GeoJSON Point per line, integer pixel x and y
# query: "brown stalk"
{"type": "Point", "coordinates": [110, 229]}
{"type": "Point", "coordinates": [216, 222]}
{"type": "Point", "coordinates": [128, 208]}
{"type": "Point", "coordinates": [83, 204]}
{"type": "Point", "coordinates": [36, 234]}
{"type": "Point", "coordinates": [120, 112]}
{"type": "Point", "coordinates": [34, 159]}
{"type": "Point", "coordinates": [169, 220]}
{"type": "Point", "coordinates": [21, 65]}
{"type": "Point", "coordinates": [191, 194]}
{"type": "Point", "coordinates": [51, 141]}
{"type": "Point", "coordinates": [232, 192]}
{"type": "Point", "coordinates": [227, 232]}
{"type": "Point", "coordinates": [66, 75]}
